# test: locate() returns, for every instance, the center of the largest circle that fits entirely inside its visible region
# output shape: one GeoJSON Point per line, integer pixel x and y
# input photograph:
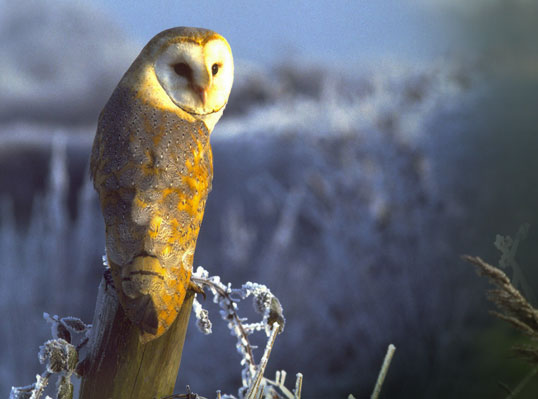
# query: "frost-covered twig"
{"type": "Point", "coordinates": [280, 379]}
{"type": "Point", "coordinates": [61, 357]}
{"type": "Point", "coordinates": [265, 303]}
{"type": "Point", "coordinates": [188, 395]}
{"type": "Point", "coordinates": [222, 296]}
{"type": "Point", "coordinates": [508, 247]}
{"type": "Point", "coordinates": [32, 391]}
{"type": "Point", "coordinates": [63, 327]}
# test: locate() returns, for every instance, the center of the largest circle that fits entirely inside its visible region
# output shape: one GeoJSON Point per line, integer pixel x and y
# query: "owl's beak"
{"type": "Point", "coordinates": [202, 93]}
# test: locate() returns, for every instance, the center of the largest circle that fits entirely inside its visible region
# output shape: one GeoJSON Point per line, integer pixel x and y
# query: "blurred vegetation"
{"type": "Point", "coordinates": [349, 196]}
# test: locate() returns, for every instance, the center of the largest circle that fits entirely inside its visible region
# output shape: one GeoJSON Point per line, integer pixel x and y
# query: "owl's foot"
{"type": "Point", "coordinates": [107, 274]}
{"type": "Point", "coordinates": [196, 288]}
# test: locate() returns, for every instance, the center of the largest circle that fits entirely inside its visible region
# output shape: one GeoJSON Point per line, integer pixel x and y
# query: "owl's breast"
{"type": "Point", "coordinates": [155, 175]}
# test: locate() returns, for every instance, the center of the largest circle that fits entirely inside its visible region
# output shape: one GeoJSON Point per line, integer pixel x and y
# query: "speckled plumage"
{"type": "Point", "coordinates": [151, 164]}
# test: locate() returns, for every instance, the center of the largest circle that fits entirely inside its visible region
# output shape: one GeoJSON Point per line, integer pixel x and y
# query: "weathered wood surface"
{"type": "Point", "coordinates": [119, 366]}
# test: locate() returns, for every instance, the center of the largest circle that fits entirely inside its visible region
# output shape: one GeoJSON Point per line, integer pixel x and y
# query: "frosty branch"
{"type": "Point", "coordinates": [513, 306]}
{"type": "Point", "coordinates": [254, 385]}
{"type": "Point", "coordinates": [61, 357]}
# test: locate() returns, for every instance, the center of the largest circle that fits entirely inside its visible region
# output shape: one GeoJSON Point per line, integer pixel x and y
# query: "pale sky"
{"type": "Point", "coordinates": [266, 30]}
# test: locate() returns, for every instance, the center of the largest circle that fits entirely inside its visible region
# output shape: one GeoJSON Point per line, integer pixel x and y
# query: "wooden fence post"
{"type": "Point", "coordinates": [118, 366]}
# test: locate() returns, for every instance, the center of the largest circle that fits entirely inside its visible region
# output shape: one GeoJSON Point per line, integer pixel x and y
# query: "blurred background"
{"type": "Point", "coordinates": [366, 145]}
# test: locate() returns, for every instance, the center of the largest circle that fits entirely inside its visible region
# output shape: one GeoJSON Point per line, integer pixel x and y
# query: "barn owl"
{"type": "Point", "coordinates": [151, 165]}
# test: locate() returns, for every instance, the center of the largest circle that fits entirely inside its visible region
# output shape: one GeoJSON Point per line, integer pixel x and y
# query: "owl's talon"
{"type": "Point", "coordinates": [196, 288]}
{"type": "Point", "coordinates": [107, 275]}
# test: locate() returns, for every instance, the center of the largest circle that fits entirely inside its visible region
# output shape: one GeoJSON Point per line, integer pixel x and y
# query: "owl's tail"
{"type": "Point", "coordinates": [150, 296]}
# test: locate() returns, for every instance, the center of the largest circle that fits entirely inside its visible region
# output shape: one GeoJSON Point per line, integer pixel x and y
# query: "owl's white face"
{"type": "Point", "coordinates": [198, 78]}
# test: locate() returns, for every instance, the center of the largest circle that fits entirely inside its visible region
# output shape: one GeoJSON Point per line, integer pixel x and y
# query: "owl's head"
{"type": "Point", "coordinates": [195, 69]}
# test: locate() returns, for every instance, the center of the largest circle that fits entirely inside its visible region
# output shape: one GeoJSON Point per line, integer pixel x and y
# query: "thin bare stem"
{"type": "Point", "coordinates": [298, 386]}
{"type": "Point", "coordinates": [254, 387]}
{"type": "Point", "coordinates": [384, 370]}
{"type": "Point", "coordinates": [517, 390]}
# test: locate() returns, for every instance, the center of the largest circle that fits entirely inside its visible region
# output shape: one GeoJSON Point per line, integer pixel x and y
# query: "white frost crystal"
{"type": "Point", "coordinates": [265, 303]}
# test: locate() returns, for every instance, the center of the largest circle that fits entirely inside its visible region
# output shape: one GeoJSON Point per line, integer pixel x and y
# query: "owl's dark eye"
{"type": "Point", "coordinates": [215, 69]}
{"type": "Point", "coordinates": [183, 70]}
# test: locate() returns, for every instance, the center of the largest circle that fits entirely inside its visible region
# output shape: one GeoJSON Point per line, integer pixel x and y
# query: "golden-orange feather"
{"type": "Point", "coordinates": [153, 171]}
{"type": "Point", "coordinates": [152, 167]}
